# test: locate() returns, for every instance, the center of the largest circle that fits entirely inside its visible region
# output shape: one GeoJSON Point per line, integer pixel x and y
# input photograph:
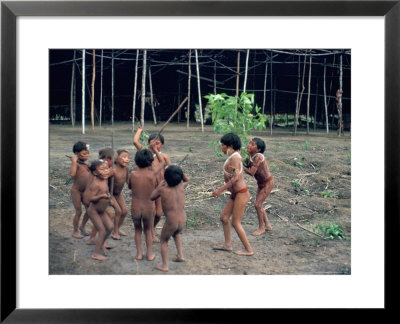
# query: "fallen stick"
{"type": "Point", "coordinates": [308, 230]}
{"type": "Point", "coordinates": [183, 160]}
{"type": "Point", "coordinates": [169, 119]}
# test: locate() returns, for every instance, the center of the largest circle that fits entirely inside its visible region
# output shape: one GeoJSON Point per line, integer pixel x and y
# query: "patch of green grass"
{"type": "Point", "coordinates": [192, 219]}
{"type": "Point", "coordinates": [348, 158]}
{"type": "Point", "coordinates": [299, 164]}
{"type": "Point", "coordinates": [306, 192]}
{"type": "Point", "coordinates": [273, 167]}
{"type": "Point", "coordinates": [190, 148]}
{"type": "Point", "coordinates": [330, 231]}
{"type": "Point", "coordinates": [296, 183]}
{"type": "Point", "coordinates": [306, 146]}
{"type": "Point", "coordinates": [328, 194]}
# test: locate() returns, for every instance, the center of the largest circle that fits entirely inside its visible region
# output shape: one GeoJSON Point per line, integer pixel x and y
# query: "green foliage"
{"type": "Point", "coordinates": [192, 219]}
{"type": "Point", "coordinates": [144, 137]}
{"type": "Point", "coordinates": [230, 114]}
{"type": "Point", "coordinates": [328, 194]}
{"type": "Point", "coordinates": [296, 183]}
{"type": "Point", "coordinates": [306, 192]}
{"type": "Point", "coordinates": [299, 164]}
{"type": "Point", "coordinates": [190, 148]}
{"type": "Point", "coordinates": [306, 146]}
{"type": "Point", "coordinates": [330, 231]}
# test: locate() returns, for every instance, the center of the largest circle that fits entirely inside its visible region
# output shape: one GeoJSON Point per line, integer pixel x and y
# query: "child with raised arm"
{"type": "Point", "coordinates": [159, 144]}
{"type": "Point", "coordinates": [97, 197]}
{"type": "Point", "coordinates": [142, 182]}
{"type": "Point", "coordinates": [236, 204]}
{"type": "Point", "coordinates": [80, 172]}
{"type": "Point", "coordinates": [120, 178]}
{"type": "Point", "coordinates": [172, 194]}
{"type": "Point", "coordinates": [258, 168]}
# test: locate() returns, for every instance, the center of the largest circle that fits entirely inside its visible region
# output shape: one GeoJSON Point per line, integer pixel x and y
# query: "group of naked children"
{"type": "Point", "coordinates": [157, 187]}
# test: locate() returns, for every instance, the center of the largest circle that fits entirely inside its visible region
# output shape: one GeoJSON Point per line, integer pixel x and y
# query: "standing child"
{"type": "Point", "coordinates": [80, 172]}
{"type": "Point", "coordinates": [159, 144]}
{"type": "Point", "coordinates": [97, 197]}
{"type": "Point", "coordinates": [142, 182]}
{"type": "Point", "coordinates": [172, 194]}
{"type": "Point", "coordinates": [236, 204]}
{"type": "Point", "coordinates": [258, 168]}
{"type": "Point", "coordinates": [120, 178]}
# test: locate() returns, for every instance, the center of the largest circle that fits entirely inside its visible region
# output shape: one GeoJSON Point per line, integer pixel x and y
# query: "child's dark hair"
{"type": "Point", "coordinates": [119, 152]}
{"type": "Point", "coordinates": [233, 140]}
{"type": "Point", "coordinates": [106, 153]}
{"type": "Point", "coordinates": [80, 146]}
{"type": "Point", "coordinates": [173, 175]}
{"type": "Point", "coordinates": [144, 158]}
{"type": "Point", "coordinates": [94, 164]}
{"type": "Point", "coordinates": [260, 144]}
{"type": "Point", "coordinates": [153, 136]}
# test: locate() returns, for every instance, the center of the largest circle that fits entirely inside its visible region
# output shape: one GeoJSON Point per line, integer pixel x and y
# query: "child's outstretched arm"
{"type": "Point", "coordinates": [136, 141]}
{"type": "Point", "coordinates": [157, 191]}
{"type": "Point", "coordinates": [74, 166]}
{"type": "Point", "coordinates": [185, 180]}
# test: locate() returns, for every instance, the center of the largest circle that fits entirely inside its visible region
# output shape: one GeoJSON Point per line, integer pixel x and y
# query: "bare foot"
{"type": "Point", "coordinates": [122, 233]}
{"type": "Point", "coordinates": [161, 268]}
{"type": "Point", "coordinates": [115, 236]}
{"type": "Point", "coordinates": [179, 259]}
{"type": "Point", "coordinates": [156, 239]}
{"type": "Point", "coordinates": [222, 247]}
{"type": "Point", "coordinates": [91, 242]}
{"type": "Point", "coordinates": [105, 251]}
{"type": "Point", "coordinates": [258, 232]}
{"type": "Point", "coordinates": [77, 235]}
{"type": "Point", "coordinates": [151, 257]}
{"type": "Point", "coordinates": [268, 227]}
{"type": "Point", "coordinates": [108, 246]}
{"type": "Point", "coordinates": [139, 257]}
{"type": "Point", "coordinates": [244, 252]}
{"type": "Point", "coordinates": [99, 257]}
{"type": "Point", "coordinates": [84, 231]}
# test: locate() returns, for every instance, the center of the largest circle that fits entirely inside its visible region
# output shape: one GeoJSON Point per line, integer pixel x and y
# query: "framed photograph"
{"type": "Point", "coordinates": [33, 290]}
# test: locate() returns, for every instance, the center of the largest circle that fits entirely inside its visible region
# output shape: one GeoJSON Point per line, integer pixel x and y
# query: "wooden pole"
{"type": "Point", "coordinates": [198, 87]}
{"type": "Point", "coordinates": [101, 87]}
{"type": "Point", "coordinates": [245, 73]}
{"type": "Point", "coordinates": [134, 92]}
{"type": "Point", "coordinates": [309, 95]}
{"type": "Point", "coordinates": [298, 91]}
{"type": "Point", "coordinates": [83, 91]}
{"type": "Point", "coordinates": [272, 113]}
{"type": "Point", "coordinates": [237, 83]}
{"type": "Point", "coordinates": [172, 116]}
{"type": "Point", "coordinates": [189, 77]}
{"type": "Point", "coordinates": [112, 163]}
{"type": "Point", "coordinates": [301, 95]}
{"type": "Point", "coordinates": [339, 103]}
{"type": "Point", "coordinates": [143, 88]}
{"type": "Point", "coordinates": [315, 108]}
{"type": "Point", "coordinates": [151, 97]}
{"type": "Point", "coordinates": [265, 84]}
{"type": "Point", "coordinates": [326, 106]}
{"type": "Point", "coordinates": [215, 78]}
{"type": "Point", "coordinates": [93, 79]}
{"type": "Point", "coordinates": [72, 115]}
{"type": "Point", "coordinates": [112, 88]}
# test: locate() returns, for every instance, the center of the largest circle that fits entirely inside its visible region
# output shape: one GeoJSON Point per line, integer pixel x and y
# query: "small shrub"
{"type": "Point", "coordinates": [328, 194]}
{"type": "Point", "coordinates": [296, 183]}
{"type": "Point", "coordinates": [306, 146]}
{"type": "Point", "coordinates": [299, 164]}
{"type": "Point", "coordinates": [330, 231]}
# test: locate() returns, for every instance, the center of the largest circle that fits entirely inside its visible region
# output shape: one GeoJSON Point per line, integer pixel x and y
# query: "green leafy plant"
{"type": "Point", "coordinates": [330, 231]}
{"type": "Point", "coordinates": [296, 183]}
{"type": "Point", "coordinates": [190, 148]}
{"type": "Point", "coordinates": [231, 114]}
{"type": "Point", "coordinates": [299, 164]}
{"type": "Point", "coordinates": [306, 146]}
{"type": "Point", "coordinates": [192, 220]}
{"type": "Point", "coordinates": [144, 137]}
{"type": "Point", "coordinates": [328, 194]}
{"type": "Point", "coordinates": [306, 192]}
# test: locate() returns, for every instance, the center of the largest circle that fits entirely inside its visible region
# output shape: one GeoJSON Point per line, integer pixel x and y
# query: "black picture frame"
{"type": "Point", "coordinates": [10, 10]}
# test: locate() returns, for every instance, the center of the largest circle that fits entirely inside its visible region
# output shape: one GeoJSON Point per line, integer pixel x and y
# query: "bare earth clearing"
{"type": "Point", "coordinates": [323, 163]}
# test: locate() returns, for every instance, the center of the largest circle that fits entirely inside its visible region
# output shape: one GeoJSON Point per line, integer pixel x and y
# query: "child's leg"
{"type": "Point", "coordinates": [124, 212]}
{"type": "Point", "coordinates": [109, 226]}
{"type": "Point", "coordinates": [117, 209]}
{"type": "Point", "coordinates": [82, 228]}
{"type": "Point", "coordinates": [240, 203]}
{"type": "Point", "coordinates": [165, 236]}
{"type": "Point", "coordinates": [76, 201]}
{"type": "Point", "coordinates": [157, 218]}
{"type": "Point", "coordinates": [98, 224]}
{"type": "Point", "coordinates": [137, 222]}
{"type": "Point", "coordinates": [148, 221]}
{"type": "Point", "coordinates": [178, 243]}
{"type": "Point", "coordinates": [225, 215]}
{"type": "Point", "coordinates": [263, 222]}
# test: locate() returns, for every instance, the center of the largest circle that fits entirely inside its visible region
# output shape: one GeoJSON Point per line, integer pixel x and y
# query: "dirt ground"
{"type": "Point", "coordinates": [315, 163]}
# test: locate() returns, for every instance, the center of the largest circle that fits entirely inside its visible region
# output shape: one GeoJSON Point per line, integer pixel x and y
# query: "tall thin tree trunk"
{"type": "Point", "coordinates": [326, 105]}
{"type": "Point", "coordinates": [315, 108]}
{"type": "Point", "coordinates": [265, 85]}
{"type": "Point", "coordinates": [309, 95]}
{"type": "Point", "coordinates": [101, 88]}
{"type": "Point", "coordinates": [301, 95]}
{"type": "Point", "coordinates": [245, 72]}
{"type": "Point", "coordinates": [93, 79]}
{"type": "Point", "coordinates": [198, 87]}
{"type": "Point", "coordinates": [215, 78]}
{"type": "Point", "coordinates": [189, 77]}
{"type": "Point", "coordinates": [237, 82]}
{"type": "Point", "coordinates": [298, 90]}
{"type": "Point", "coordinates": [134, 92]}
{"type": "Point", "coordinates": [72, 115]}
{"type": "Point", "coordinates": [179, 100]}
{"type": "Point", "coordinates": [74, 101]}
{"type": "Point", "coordinates": [272, 112]}
{"type": "Point", "coordinates": [83, 91]}
{"type": "Point", "coordinates": [151, 97]}
{"type": "Point", "coordinates": [339, 104]}
{"type": "Point", "coordinates": [143, 87]}
{"type": "Point", "coordinates": [112, 88]}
